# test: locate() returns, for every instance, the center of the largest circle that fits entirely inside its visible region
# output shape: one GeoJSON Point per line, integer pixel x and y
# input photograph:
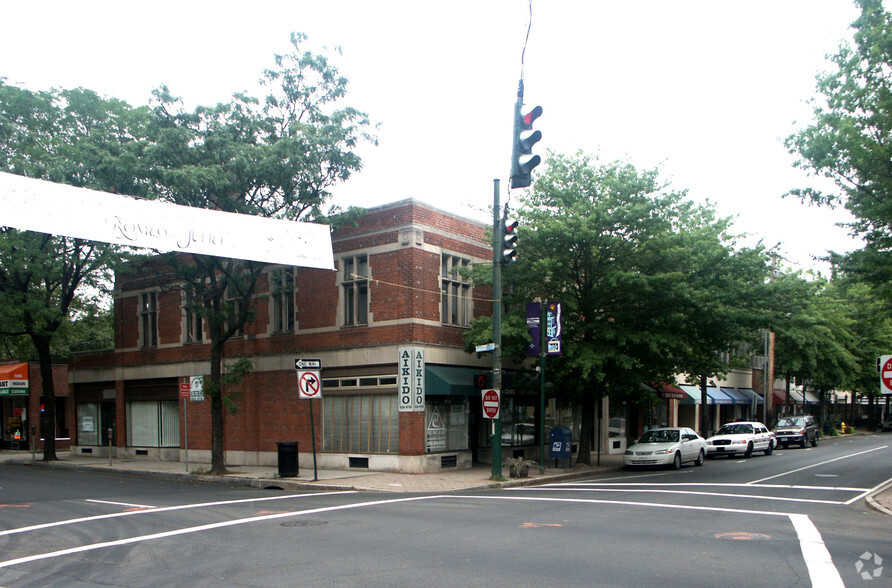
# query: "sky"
{"type": "Point", "coordinates": [703, 90]}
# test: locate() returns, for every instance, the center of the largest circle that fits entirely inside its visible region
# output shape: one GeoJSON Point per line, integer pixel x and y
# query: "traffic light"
{"type": "Point", "coordinates": [509, 239]}
{"type": "Point", "coordinates": [521, 165]}
{"type": "Point", "coordinates": [483, 381]}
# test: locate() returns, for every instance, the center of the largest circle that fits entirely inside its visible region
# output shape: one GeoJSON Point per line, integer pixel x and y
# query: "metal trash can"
{"type": "Point", "coordinates": [287, 459]}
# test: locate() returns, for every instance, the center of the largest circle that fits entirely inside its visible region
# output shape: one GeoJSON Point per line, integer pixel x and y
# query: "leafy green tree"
{"type": "Point", "coordinates": [274, 157]}
{"type": "Point", "coordinates": [649, 282]}
{"type": "Point", "coordinates": [74, 137]}
{"type": "Point", "coordinates": [850, 141]}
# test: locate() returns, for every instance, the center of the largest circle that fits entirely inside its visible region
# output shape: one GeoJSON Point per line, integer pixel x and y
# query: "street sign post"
{"type": "Point", "coordinates": [309, 385]}
{"type": "Point", "coordinates": [491, 403]}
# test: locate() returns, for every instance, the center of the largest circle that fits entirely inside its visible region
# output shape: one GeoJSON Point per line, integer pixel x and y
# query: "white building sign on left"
{"type": "Point", "coordinates": [411, 379]}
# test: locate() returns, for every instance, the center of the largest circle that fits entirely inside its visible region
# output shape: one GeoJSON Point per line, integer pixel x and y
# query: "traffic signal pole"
{"type": "Point", "coordinates": [496, 328]}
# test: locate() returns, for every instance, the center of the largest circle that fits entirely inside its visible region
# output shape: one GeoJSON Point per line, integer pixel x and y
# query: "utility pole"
{"type": "Point", "coordinates": [497, 249]}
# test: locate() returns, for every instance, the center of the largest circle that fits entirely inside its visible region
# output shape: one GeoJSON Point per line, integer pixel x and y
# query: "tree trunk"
{"type": "Point", "coordinates": [48, 397]}
{"type": "Point", "coordinates": [218, 463]}
{"type": "Point", "coordinates": [587, 430]}
{"type": "Point", "coordinates": [704, 408]}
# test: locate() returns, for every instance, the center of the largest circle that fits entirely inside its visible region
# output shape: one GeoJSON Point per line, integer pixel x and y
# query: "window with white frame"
{"type": "Point", "coordinates": [233, 308]}
{"type": "Point", "coordinates": [455, 303]}
{"type": "Point", "coordinates": [355, 285]}
{"type": "Point", "coordinates": [148, 315]}
{"type": "Point", "coordinates": [194, 322]}
{"type": "Point", "coordinates": [153, 423]}
{"type": "Point", "coordinates": [363, 423]}
{"type": "Point", "coordinates": [282, 295]}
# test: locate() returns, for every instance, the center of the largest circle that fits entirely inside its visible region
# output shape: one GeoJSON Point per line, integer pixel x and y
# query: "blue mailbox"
{"type": "Point", "coordinates": [560, 444]}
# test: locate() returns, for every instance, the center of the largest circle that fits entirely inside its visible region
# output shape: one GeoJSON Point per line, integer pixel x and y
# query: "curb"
{"type": "Point", "coordinates": [291, 485]}
{"type": "Point", "coordinates": [872, 503]}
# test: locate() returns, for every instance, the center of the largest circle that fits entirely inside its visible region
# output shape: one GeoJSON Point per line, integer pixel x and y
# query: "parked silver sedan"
{"type": "Point", "coordinates": [666, 447]}
{"type": "Point", "coordinates": [741, 438]}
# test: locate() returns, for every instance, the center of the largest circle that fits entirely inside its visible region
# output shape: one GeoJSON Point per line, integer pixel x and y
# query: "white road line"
{"type": "Point", "coordinates": [158, 510]}
{"type": "Point", "coordinates": [127, 504]}
{"type": "Point", "coordinates": [691, 493]}
{"type": "Point", "coordinates": [200, 528]}
{"type": "Point", "coordinates": [703, 484]}
{"type": "Point", "coordinates": [821, 570]}
{"type": "Point", "coordinates": [868, 491]}
{"type": "Point", "coordinates": [818, 464]}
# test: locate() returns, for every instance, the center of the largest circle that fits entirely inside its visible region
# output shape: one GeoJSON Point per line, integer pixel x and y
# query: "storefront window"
{"type": "Point", "coordinates": [367, 423]}
{"type": "Point", "coordinates": [154, 423]}
{"type": "Point", "coordinates": [446, 423]}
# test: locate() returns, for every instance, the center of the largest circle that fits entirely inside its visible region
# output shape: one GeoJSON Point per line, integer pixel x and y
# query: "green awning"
{"type": "Point", "coordinates": [448, 380]}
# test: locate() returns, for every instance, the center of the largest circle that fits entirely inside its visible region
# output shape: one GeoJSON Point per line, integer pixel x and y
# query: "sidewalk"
{"type": "Point", "coordinates": [476, 478]}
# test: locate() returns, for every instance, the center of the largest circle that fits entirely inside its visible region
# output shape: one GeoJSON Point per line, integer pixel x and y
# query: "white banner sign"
{"type": "Point", "coordinates": [59, 209]}
{"type": "Point", "coordinates": [411, 380]}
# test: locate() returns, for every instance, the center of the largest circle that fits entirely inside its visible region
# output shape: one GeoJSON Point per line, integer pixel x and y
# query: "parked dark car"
{"type": "Point", "coordinates": [797, 430]}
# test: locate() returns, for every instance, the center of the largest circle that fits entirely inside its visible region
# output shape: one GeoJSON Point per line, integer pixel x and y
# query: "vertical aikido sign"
{"type": "Point", "coordinates": [411, 389]}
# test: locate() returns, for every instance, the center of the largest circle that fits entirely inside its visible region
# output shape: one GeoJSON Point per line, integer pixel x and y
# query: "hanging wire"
{"type": "Point", "coordinates": [529, 26]}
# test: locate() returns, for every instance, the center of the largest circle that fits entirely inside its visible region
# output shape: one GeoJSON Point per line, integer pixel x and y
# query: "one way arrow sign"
{"type": "Point", "coordinates": [307, 364]}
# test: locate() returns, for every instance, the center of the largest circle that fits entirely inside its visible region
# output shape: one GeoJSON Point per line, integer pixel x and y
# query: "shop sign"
{"type": "Point", "coordinates": [411, 379]}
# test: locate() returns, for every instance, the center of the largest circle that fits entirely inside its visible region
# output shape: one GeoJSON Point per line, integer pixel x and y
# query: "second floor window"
{"type": "Point", "coordinates": [148, 318]}
{"type": "Point", "coordinates": [282, 293]}
{"type": "Point", "coordinates": [356, 290]}
{"type": "Point", "coordinates": [194, 324]}
{"type": "Point", "coordinates": [233, 310]}
{"type": "Point", "coordinates": [455, 299]}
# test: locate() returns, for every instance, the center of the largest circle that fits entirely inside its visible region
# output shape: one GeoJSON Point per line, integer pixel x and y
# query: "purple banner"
{"type": "Point", "coordinates": [552, 328]}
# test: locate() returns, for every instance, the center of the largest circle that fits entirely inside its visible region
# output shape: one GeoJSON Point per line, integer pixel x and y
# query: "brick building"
{"type": "Point", "coordinates": [393, 314]}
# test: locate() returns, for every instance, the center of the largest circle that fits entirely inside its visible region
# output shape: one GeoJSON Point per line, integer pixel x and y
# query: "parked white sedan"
{"type": "Point", "coordinates": [666, 447]}
{"type": "Point", "coordinates": [741, 437]}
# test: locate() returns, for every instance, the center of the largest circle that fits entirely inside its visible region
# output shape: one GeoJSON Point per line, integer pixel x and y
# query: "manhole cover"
{"type": "Point", "coordinates": [304, 523]}
{"type": "Point", "coordinates": [743, 536]}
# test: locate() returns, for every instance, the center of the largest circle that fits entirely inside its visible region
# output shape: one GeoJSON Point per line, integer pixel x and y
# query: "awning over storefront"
{"type": "Point", "coordinates": [447, 380]}
{"type": "Point", "coordinates": [751, 394]}
{"type": "Point", "coordinates": [666, 391]}
{"type": "Point", "coordinates": [14, 379]}
{"type": "Point", "coordinates": [796, 396]}
{"type": "Point", "coordinates": [714, 395]}
{"type": "Point", "coordinates": [737, 397]}
{"type": "Point", "coordinates": [779, 397]}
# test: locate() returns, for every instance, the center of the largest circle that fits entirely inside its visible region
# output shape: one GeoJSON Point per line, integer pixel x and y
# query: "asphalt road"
{"type": "Point", "coordinates": [795, 518]}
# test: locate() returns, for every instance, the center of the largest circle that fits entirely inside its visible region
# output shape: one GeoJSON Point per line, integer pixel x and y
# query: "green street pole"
{"type": "Point", "coordinates": [542, 352]}
{"type": "Point", "coordinates": [496, 328]}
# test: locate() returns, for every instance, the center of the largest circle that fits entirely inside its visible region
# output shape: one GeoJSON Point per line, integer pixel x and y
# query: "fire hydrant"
{"type": "Point", "coordinates": [842, 428]}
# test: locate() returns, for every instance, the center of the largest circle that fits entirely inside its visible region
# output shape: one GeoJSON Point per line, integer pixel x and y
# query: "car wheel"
{"type": "Point", "coordinates": [769, 449]}
{"type": "Point", "coordinates": [676, 463]}
{"type": "Point", "coordinates": [802, 442]}
{"type": "Point", "coordinates": [814, 442]}
{"type": "Point", "coordinates": [700, 458]}
{"type": "Point", "coordinates": [749, 450]}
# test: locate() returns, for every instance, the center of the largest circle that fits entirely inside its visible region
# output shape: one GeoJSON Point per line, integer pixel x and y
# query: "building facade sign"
{"type": "Point", "coordinates": [411, 380]}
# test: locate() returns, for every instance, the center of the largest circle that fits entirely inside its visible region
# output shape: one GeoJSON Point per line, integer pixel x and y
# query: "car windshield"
{"type": "Point", "coordinates": [659, 436]}
{"type": "Point", "coordinates": [789, 423]}
{"type": "Point", "coordinates": [735, 429]}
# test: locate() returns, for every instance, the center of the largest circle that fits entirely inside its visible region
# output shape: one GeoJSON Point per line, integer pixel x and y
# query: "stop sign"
{"type": "Point", "coordinates": [886, 374]}
{"type": "Point", "coordinates": [491, 403]}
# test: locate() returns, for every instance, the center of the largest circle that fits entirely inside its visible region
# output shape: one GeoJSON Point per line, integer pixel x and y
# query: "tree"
{"type": "Point", "coordinates": [648, 280]}
{"type": "Point", "coordinates": [74, 137]}
{"type": "Point", "coordinates": [850, 142]}
{"type": "Point", "coordinates": [276, 158]}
